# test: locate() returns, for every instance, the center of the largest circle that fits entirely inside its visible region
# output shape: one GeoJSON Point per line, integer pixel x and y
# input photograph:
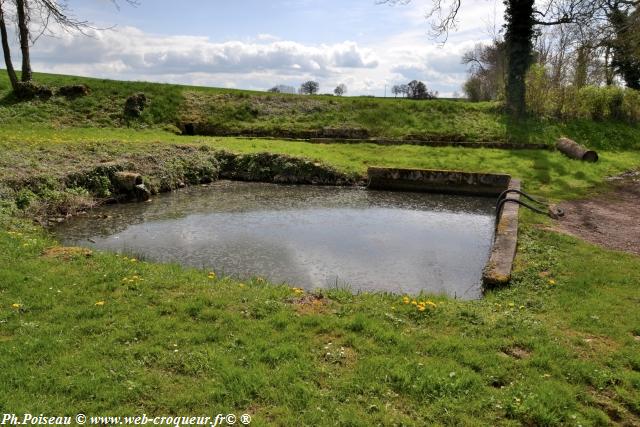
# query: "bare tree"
{"type": "Point", "coordinates": [42, 14]}
{"type": "Point", "coordinates": [487, 65]}
{"type": "Point", "coordinates": [13, 78]}
{"type": "Point", "coordinates": [523, 17]}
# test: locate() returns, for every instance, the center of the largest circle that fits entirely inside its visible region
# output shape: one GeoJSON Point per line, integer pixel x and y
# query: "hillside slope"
{"type": "Point", "coordinates": [234, 112]}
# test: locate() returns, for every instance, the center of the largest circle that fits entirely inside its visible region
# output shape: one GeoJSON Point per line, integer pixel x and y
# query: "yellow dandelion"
{"type": "Point", "coordinates": [406, 300]}
{"type": "Point", "coordinates": [99, 303]}
{"type": "Point", "coordinates": [552, 282]}
{"type": "Point", "coordinates": [414, 302]}
{"type": "Point", "coordinates": [16, 306]}
{"type": "Point", "coordinates": [421, 308]}
{"type": "Point", "coordinates": [431, 304]}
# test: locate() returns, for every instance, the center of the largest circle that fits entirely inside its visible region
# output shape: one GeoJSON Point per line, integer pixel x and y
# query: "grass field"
{"type": "Point", "coordinates": [114, 335]}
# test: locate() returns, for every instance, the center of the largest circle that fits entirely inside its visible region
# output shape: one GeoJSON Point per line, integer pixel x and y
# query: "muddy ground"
{"type": "Point", "coordinates": [611, 220]}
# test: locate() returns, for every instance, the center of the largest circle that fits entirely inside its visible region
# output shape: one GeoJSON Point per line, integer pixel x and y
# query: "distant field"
{"type": "Point", "coordinates": [230, 112]}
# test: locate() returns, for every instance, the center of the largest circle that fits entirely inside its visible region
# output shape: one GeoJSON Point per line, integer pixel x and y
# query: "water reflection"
{"type": "Point", "coordinates": [306, 236]}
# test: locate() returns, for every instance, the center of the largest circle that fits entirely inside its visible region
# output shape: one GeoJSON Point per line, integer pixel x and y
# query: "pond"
{"type": "Point", "coordinates": [306, 236]}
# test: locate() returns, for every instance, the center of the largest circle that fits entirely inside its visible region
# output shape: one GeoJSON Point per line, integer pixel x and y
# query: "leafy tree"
{"type": "Point", "coordinates": [626, 45]}
{"type": "Point", "coordinates": [309, 87]}
{"type": "Point", "coordinates": [340, 90]}
{"type": "Point", "coordinates": [418, 90]}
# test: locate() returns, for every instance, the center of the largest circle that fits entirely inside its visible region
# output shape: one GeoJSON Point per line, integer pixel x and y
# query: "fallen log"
{"type": "Point", "coordinates": [576, 151]}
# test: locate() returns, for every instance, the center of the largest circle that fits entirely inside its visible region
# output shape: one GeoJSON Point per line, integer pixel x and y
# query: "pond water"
{"type": "Point", "coordinates": [305, 236]}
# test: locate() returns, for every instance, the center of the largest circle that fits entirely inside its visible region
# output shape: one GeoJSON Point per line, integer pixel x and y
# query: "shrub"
{"type": "Point", "coordinates": [134, 105]}
{"type": "Point", "coordinates": [631, 105]}
{"type": "Point", "coordinates": [26, 91]}
{"type": "Point", "coordinates": [589, 102]}
{"type": "Point", "coordinates": [74, 91]}
{"type": "Point", "coordinates": [592, 103]}
{"type": "Point", "coordinates": [539, 88]}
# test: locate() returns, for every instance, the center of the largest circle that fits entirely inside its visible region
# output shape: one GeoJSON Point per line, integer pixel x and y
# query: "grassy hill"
{"type": "Point", "coordinates": [236, 112]}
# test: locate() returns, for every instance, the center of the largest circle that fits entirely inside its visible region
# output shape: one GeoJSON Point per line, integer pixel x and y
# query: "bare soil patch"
{"type": "Point", "coordinates": [611, 220]}
{"type": "Point", "coordinates": [517, 352]}
{"type": "Point", "coordinates": [67, 253]}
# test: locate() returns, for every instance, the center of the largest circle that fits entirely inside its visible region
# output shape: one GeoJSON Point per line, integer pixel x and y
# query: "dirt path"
{"type": "Point", "coordinates": [611, 220]}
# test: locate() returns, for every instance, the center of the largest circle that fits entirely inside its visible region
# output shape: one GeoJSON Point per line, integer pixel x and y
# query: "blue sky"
{"type": "Point", "coordinates": [256, 44]}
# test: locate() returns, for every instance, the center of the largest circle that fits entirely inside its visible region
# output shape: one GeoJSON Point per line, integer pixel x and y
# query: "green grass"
{"type": "Point", "coordinates": [178, 342]}
{"type": "Point", "coordinates": [559, 346]}
{"type": "Point", "coordinates": [229, 110]}
{"type": "Point", "coordinates": [30, 152]}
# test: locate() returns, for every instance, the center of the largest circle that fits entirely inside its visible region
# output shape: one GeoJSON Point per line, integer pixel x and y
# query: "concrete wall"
{"type": "Point", "coordinates": [438, 181]}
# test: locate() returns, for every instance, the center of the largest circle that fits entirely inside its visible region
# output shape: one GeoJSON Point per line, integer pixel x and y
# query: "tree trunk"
{"type": "Point", "coordinates": [518, 37]}
{"type": "Point", "coordinates": [23, 27]}
{"type": "Point", "coordinates": [576, 151]}
{"type": "Point", "coordinates": [608, 72]}
{"type": "Point", "coordinates": [582, 65]}
{"type": "Point", "coordinates": [13, 78]}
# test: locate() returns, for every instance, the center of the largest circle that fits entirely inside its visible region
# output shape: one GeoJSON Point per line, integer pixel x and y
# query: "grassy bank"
{"type": "Point", "coordinates": [104, 334]}
{"type": "Point", "coordinates": [223, 111]}
{"type": "Point", "coordinates": [43, 159]}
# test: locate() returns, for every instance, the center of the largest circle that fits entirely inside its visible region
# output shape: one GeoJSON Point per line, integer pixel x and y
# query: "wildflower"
{"type": "Point", "coordinates": [421, 308]}
{"type": "Point", "coordinates": [212, 275]}
{"type": "Point", "coordinates": [298, 291]}
{"type": "Point", "coordinates": [414, 302]}
{"type": "Point", "coordinates": [431, 304]}
{"type": "Point", "coordinates": [406, 300]}
{"type": "Point", "coordinates": [16, 306]}
{"type": "Point", "coordinates": [100, 303]}
{"type": "Point", "coordinates": [552, 282]}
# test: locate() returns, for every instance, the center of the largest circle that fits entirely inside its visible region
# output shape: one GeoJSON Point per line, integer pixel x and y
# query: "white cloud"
{"type": "Point", "coordinates": [264, 60]}
{"type": "Point", "coordinates": [134, 51]}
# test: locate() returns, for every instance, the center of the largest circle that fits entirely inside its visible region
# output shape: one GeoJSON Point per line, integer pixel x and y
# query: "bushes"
{"type": "Point", "coordinates": [605, 103]}
{"type": "Point", "coordinates": [589, 102]}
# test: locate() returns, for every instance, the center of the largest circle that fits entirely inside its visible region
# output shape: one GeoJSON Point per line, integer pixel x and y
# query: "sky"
{"type": "Point", "coordinates": [256, 44]}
